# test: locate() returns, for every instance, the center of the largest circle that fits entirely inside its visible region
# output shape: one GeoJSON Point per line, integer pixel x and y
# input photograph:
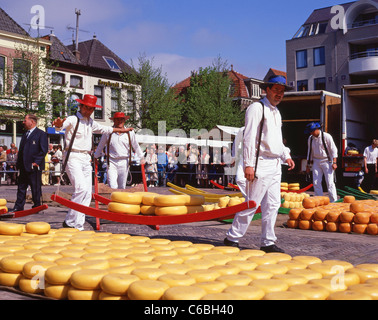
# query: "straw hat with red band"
{"type": "Point", "coordinates": [89, 101]}
{"type": "Point", "coordinates": [119, 115]}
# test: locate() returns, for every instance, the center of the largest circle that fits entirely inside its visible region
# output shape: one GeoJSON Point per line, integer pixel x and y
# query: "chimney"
{"type": "Point", "coordinates": [76, 51]}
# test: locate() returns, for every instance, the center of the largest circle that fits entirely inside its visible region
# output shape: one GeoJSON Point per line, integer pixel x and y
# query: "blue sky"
{"type": "Point", "coordinates": [181, 36]}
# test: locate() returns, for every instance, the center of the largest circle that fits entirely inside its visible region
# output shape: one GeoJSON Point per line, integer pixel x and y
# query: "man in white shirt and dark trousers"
{"type": "Point", "coordinates": [370, 165]}
{"type": "Point", "coordinates": [322, 156]}
{"type": "Point", "coordinates": [119, 147]}
{"type": "Point", "coordinates": [262, 153]}
{"type": "Point", "coordinates": [78, 148]}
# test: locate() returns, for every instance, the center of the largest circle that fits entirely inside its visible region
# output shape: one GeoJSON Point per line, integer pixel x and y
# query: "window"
{"type": "Point", "coordinates": [115, 96]}
{"type": "Point", "coordinates": [2, 74]}
{"type": "Point", "coordinates": [320, 84]}
{"type": "Point", "coordinates": [302, 85]}
{"type": "Point", "coordinates": [319, 56]}
{"type": "Point", "coordinates": [99, 112]}
{"type": "Point", "coordinates": [21, 76]}
{"type": "Point", "coordinates": [58, 78]}
{"type": "Point", "coordinates": [301, 59]}
{"type": "Point", "coordinates": [112, 64]}
{"type": "Point", "coordinates": [303, 32]}
{"type": "Point", "coordinates": [58, 101]}
{"type": "Point", "coordinates": [76, 82]}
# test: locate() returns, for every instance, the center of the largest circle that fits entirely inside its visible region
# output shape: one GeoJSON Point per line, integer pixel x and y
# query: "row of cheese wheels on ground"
{"type": "Point", "coordinates": [148, 203]}
{"type": "Point", "coordinates": [85, 265]}
{"type": "Point", "coordinates": [3, 205]}
{"type": "Point", "coordinates": [290, 186]}
{"type": "Point", "coordinates": [350, 216]}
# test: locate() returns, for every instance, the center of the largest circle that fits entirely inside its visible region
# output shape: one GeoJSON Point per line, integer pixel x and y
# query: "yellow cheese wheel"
{"type": "Point", "coordinates": [177, 211]}
{"type": "Point", "coordinates": [175, 268]}
{"type": "Point", "coordinates": [359, 228]}
{"type": "Point", "coordinates": [199, 263]}
{"type": "Point", "coordinates": [372, 229]}
{"type": "Point", "coordinates": [332, 226]}
{"type": "Point", "coordinates": [307, 273]}
{"type": "Point", "coordinates": [273, 268]}
{"type": "Point", "coordinates": [88, 279]}
{"type": "Point", "coordinates": [4, 208]}
{"type": "Point", "coordinates": [174, 280]}
{"type": "Point", "coordinates": [333, 216]}
{"type": "Point", "coordinates": [30, 285]}
{"type": "Point", "coordinates": [245, 292]}
{"type": "Point", "coordinates": [148, 273]}
{"type": "Point", "coordinates": [255, 274]}
{"type": "Point", "coordinates": [38, 227]}
{"type": "Point", "coordinates": [94, 264]}
{"type": "Point", "coordinates": [331, 284]}
{"type": "Point", "coordinates": [106, 296]}
{"type": "Point", "coordinates": [96, 256]}
{"type": "Point", "coordinates": [147, 290]}
{"type": "Point", "coordinates": [132, 209]}
{"type": "Point", "coordinates": [59, 275]}
{"type": "Point", "coordinates": [339, 263]}
{"type": "Point", "coordinates": [223, 202]}
{"type": "Point", "coordinates": [349, 295]}
{"type": "Point", "coordinates": [147, 210]}
{"type": "Point", "coordinates": [324, 269]}
{"type": "Point", "coordinates": [270, 285]}
{"type": "Point", "coordinates": [294, 185]}
{"type": "Point", "coordinates": [3, 202]}
{"type": "Point", "coordinates": [348, 279]}
{"type": "Point", "coordinates": [179, 200]}
{"type": "Point", "coordinates": [211, 286]}
{"type": "Point", "coordinates": [307, 259]}
{"type": "Point", "coordinates": [318, 225]}
{"type": "Point", "coordinates": [204, 275]}
{"type": "Point", "coordinates": [47, 256]}
{"type": "Point", "coordinates": [372, 281]}
{"type": "Point", "coordinates": [184, 293]}
{"type": "Point", "coordinates": [148, 198]}
{"type": "Point", "coordinates": [362, 217]}
{"type": "Point", "coordinates": [36, 268]}
{"type": "Point", "coordinates": [11, 229]}
{"type": "Point", "coordinates": [366, 288]}
{"type": "Point", "coordinates": [117, 283]}
{"type": "Point", "coordinates": [294, 214]}
{"type": "Point", "coordinates": [284, 296]}
{"type": "Point", "coordinates": [293, 264]}
{"type": "Point", "coordinates": [127, 197]}
{"type": "Point", "coordinates": [220, 296]}
{"type": "Point", "coordinates": [363, 274]}
{"type": "Point", "coordinates": [59, 292]}
{"type": "Point", "coordinates": [262, 260]}
{"type": "Point", "coordinates": [368, 267]}
{"type": "Point", "coordinates": [235, 279]}
{"type": "Point", "coordinates": [77, 294]}
{"type": "Point", "coordinates": [119, 262]}
{"type": "Point", "coordinates": [291, 279]}
{"type": "Point", "coordinates": [346, 217]}
{"type": "Point", "coordinates": [14, 264]}
{"type": "Point", "coordinates": [292, 224]}
{"type": "Point", "coordinates": [311, 291]}
{"type": "Point", "coordinates": [242, 265]}
{"type": "Point", "coordinates": [68, 261]}
{"type": "Point", "coordinates": [72, 253]}
{"type": "Point", "coordinates": [10, 279]}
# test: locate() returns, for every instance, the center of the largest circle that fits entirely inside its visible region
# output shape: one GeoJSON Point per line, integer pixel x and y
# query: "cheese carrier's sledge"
{"type": "Point", "coordinates": [153, 221]}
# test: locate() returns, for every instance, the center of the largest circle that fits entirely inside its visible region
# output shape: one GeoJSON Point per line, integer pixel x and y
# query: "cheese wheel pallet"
{"type": "Point", "coordinates": [216, 272]}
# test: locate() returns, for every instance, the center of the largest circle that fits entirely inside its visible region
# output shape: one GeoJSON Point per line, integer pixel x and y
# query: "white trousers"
{"type": "Point", "coordinates": [241, 181]}
{"type": "Point", "coordinates": [265, 191]}
{"type": "Point", "coordinates": [117, 173]}
{"type": "Point", "coordinates": [320, 168]}
{"type": "Point", "coordinates": [79, 170]}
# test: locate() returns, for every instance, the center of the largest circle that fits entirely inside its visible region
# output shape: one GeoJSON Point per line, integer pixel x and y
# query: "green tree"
{"type": "Point", "coordinates": [157, 99]}
{"type": "Point", "coordinates": [208, 101]}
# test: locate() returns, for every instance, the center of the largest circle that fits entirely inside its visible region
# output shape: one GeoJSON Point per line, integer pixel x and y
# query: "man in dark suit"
{"type": "Point", "coordinates": [30, 162]}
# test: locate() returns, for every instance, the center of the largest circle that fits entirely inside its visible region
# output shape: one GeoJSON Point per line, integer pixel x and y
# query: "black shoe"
{"type": "Point", "coordinates": [65, 225]}
{"type": "Point", "coordinates": [272, 248]}
{"type": "Point", "coordinates": [229, 243]}
{"type": "Point", "coordinates": [14, 210]}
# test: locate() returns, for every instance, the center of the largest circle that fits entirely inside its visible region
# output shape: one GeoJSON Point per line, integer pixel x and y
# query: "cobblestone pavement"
{"type": "Point", "coordinates": [353, 248]}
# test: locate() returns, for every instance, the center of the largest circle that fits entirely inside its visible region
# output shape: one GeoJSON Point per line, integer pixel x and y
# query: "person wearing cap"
{"type": "Point", "coordinates": [118, 150]}
{"type": "Point", "coordinates": [370, 165]}
{"type": "Point", "coordinates": [78, 166]}
{"type": "Point", "coordinates": [322, 156]}
{"type": "Point", "coordinates": [262, 165]}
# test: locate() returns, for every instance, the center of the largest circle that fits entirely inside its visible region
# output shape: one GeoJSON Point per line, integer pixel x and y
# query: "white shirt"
{"type": "Point", "coordinates": [272, 146]}
{"type": "Point", "coordinates": [119, 147]}
{"type": "Point", "coordinates": [371, 155]}
{"type": "Point", "coordinates": [318, 150]}
{"type": "Point", "coordinates": [83, 139]}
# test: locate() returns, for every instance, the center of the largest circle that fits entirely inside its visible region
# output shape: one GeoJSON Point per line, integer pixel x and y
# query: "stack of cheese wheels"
{"type": "Point", "coordinates": [3, 205]}
{"type": "Point", "coordinates": [86, 265]}
{"type": "Point", "coordinates": [294, 186]}
{"type": "Point", "coordinates": [227, 201]}
{"type": "Point", "coordinates": [284, 186]}
{"type": "Point", "coordinates": [125, 202]}
{"type": "Point", "coordinates": [174, 205]}
{"type": "Point", "coordinates": [357, 216]}
{"type": "Point", "coordinates": [293, 200]}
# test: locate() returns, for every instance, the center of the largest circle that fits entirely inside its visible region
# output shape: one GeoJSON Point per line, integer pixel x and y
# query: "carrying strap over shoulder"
{"type": "Point", "coordinates": [70, 145]}
{"type": "Point", "coordinates": [260, 136]}
{"type": "Point", "coordinates": [309, 160]}
{"type": "Point", "coordinates": [108, 148]}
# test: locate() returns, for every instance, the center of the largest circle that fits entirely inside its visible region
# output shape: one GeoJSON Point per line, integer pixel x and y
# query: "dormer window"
{"type": "Point", "coordinates": [112, 64]}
